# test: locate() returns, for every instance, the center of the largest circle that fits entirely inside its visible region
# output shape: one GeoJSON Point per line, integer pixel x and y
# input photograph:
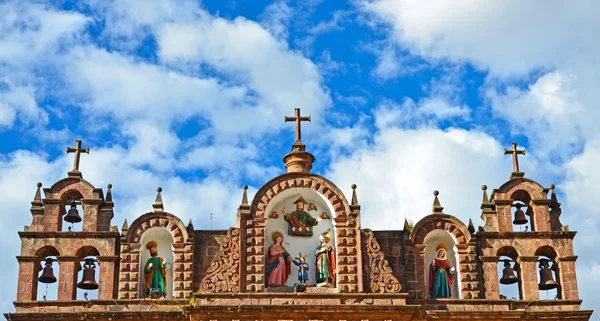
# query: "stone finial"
{"type": "Point", "coordinates": [109, 193]}
{"type": "Point", "coordinates": [437, 207]}
{"type": "Point", "coordinates": [125, 226]}
{"type": "Point", "coordinates": [354, 206]}
{"type": "Point", "coordinates": [485, 199]}
{"type": "Point", "coordinates": [37, 199]}
{"type": "Point", "coordinates": [245, 196]}
{"type": "Point", "coordinates": [354, 197]}
{"type": "Point", "coordinates": [158, 203]}
{"type": "Point", "coordinates": [554, 204]}
{"type": "Point", "coordinates": [471, 227]}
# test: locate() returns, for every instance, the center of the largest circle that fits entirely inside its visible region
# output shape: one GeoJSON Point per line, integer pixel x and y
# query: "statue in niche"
{"type": "Point", "coordinates": [300, 262]}
{"type": "Point", "coordinates": [325, 254]}
{"type": "Point", "coordinates": [278, 262]}
{"type": "Point", "coordinates": [155, 273]}
{"type": "Point", "coordinates": [300, 223]}
{"type": "Point", "coordinates": [441, 274]}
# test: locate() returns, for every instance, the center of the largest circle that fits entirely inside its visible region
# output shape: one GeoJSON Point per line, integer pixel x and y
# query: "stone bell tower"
{"type": "Point", "coordinates": [45, 240]}
{"type": "Point", "coordinates": [533, 242]}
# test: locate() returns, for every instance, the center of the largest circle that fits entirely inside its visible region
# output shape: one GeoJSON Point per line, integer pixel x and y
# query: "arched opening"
{"type": "Point", "coordinates": [433, 241]}
{"type": "Point", "coordinates": [45, 277]}
{"type": "Point", "coordinates": [88, 273]}
{"type": "Point", "coordinates": [164, 240]}
{"type": "Point", "coordinates": [297, 242]}
{"type": "Point", "coordinates": [509, 274]}
{"type": "Point", "coordinates": [548, 274]}
{"type": "Point", "coordinates": [71, 212]}
{"type": "Point", "coordinates": [523, 213]}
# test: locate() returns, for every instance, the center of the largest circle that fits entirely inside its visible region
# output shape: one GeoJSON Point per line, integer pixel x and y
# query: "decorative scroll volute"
{"type": "Point", "coordinates": [381, 275]}
{"type": "Point", "coordinates": [223, 275]}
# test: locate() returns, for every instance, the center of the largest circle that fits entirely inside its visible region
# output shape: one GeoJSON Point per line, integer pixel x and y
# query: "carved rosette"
{"type": "Point", "coordinates": [223, 274]}
{"type": "Point", "coordinates": [380, 273]}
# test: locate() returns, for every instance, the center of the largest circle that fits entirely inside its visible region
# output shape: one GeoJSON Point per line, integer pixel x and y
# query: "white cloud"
{"type": "Point", "coordinates": [397, 174]}
{"type": "Point", "coordinates": [426, 112]}
{"type": "Point", "coordinates": [276, 18]}
{"type": "Point", "coordinates": [507, 38]}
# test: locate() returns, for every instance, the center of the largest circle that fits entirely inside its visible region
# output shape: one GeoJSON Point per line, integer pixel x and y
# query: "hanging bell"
{"type": "Point", "coordinates": [73, 214]}
{"type": "Point", "coordinates": [48, 273]}
{"type": "Point", "coordinates": [88, 281]}
{"type": "Point", "coordinates": [508, 274]}
{"type": "Point", "coordinates": [520, 217]}
{"type": "Point", "coordinates": [546, 279]}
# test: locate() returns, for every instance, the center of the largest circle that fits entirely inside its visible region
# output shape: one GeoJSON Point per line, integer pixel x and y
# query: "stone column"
{"type": "Point", "coordinates": [541, 215]}
{"type": "Point", "coordinates": [69, 266]}
{"type": "Point", "coordinates": [90, 214]}
{"type": "Point", "coordinates": [490, 276]}
{"type": "Point", "coordinates": [106, 282]}
{"type": "Point", "coordinates": [568, 278]}
{"type": "Point", "coordinates": [505, 216]}
{"type": "Point", "coordinates": [420, 267]}
{"type": "Point", "coordinates": [529, 279]}
{"type": "Point", "coordinates": [28, 278]}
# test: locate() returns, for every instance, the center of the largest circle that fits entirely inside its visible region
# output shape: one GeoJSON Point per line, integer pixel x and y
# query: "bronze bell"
{"type": "Point", "coordinates": [546, 279]}
{"type": "Point", "coordinates": [520, 218]}
{"type": "Point", "coordinates": [508, 274]}
{"type": "Point", "coordinates": [88, 281]}
{"type": "Point", "coordinates": [73, 214]}
{"type": "Point", "coordinates": [48, 273]}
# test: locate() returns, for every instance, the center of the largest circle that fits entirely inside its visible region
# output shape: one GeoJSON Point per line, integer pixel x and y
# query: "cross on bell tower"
{"type": "Point", "coordinates": [298, 160]}
{"type": "Point", "coordinates": [298, 119]}
{"type": "Point", "coordinates": [515, 152]}
{"type": "Point", "coordinates": [77, 150]}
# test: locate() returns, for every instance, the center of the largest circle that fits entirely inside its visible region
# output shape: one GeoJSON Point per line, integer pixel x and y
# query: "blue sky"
{"type": "Point", "coordinates": [405, 97]}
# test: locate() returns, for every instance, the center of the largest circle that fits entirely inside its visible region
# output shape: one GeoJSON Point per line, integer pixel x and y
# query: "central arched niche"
{"type": "Point", "coordinates": [164, 238]}
{"type": "Point", "coordinates": [295, 244]}
{"type": "Point", "coordinates": [431, 241]}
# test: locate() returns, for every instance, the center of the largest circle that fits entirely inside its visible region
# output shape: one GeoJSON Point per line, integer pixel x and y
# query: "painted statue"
{"type": "Point", "coordinates": [300, 223]}
{"type": "Point", "coordinates": [155, 273]}
{"type": "Point", "coordinates": [278, 262]}
{"type": "Point", "coordinates": [441, 274]}
{"type": "Point", "coordinates": [300, 262]}
{"type": "Point", "coordinates": [325, 254]}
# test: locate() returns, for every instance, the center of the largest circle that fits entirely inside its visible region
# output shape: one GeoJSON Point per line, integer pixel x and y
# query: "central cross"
{"type": "Point", "coordinates": [297, 118]}
{"type": "Point", "coordinates": [514, 153]}
{"type": "Point", "coordinates": [77, 150]}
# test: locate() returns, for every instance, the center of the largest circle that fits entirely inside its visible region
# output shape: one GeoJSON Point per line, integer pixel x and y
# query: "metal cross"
{"type": "Point", "coordinates": [297, 118]}
{"type": "Point", "coordinates": [77, 150]}
{"type": "Point", "coordinates": [514, 153]}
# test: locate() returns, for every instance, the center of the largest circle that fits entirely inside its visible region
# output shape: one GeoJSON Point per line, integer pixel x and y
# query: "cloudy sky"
{"type": "Point", "coordinates": [405, 97]}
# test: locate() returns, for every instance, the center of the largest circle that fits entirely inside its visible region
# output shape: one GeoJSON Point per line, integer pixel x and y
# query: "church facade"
{"type": "Point", "coordinates": [298, 251]}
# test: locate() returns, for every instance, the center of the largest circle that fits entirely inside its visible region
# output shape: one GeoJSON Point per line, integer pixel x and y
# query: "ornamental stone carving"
{"type": "Point", "coordinates": [224, 272]}
{"type": "Point", "coordinates": [381, 275]}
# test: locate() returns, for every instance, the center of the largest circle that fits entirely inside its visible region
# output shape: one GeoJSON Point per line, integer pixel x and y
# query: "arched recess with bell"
{"type": "Point", "coordinates": [526, 191]}
{"type": "Point", "coordinates": [346, 224]}
{"type": "Point", "coordinates": [466, 252]}
{"type": "Point", "coordinates": [167, 227]}
{"type": "Point", "coordinates": [96, 213]}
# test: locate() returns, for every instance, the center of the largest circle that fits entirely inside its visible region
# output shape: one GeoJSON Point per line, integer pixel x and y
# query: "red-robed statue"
{"type": "Point", "coordinates": [441, 274]}
{"type": "Point", "coordinates": [278, 262]}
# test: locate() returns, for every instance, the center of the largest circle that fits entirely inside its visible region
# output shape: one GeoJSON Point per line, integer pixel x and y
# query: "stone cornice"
{"type": "Point", "coordinates": [70, 235]}
{"type": "Point", "coordinates": [527, 235]}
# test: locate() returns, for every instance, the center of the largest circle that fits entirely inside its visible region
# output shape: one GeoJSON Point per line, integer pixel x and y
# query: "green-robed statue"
{"type": "Point", "coordinates": [441, 274]}
{"type": "Point", "coordinates": [155, 273]}
{"type": "Point", "coordinates": [300, 223]}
